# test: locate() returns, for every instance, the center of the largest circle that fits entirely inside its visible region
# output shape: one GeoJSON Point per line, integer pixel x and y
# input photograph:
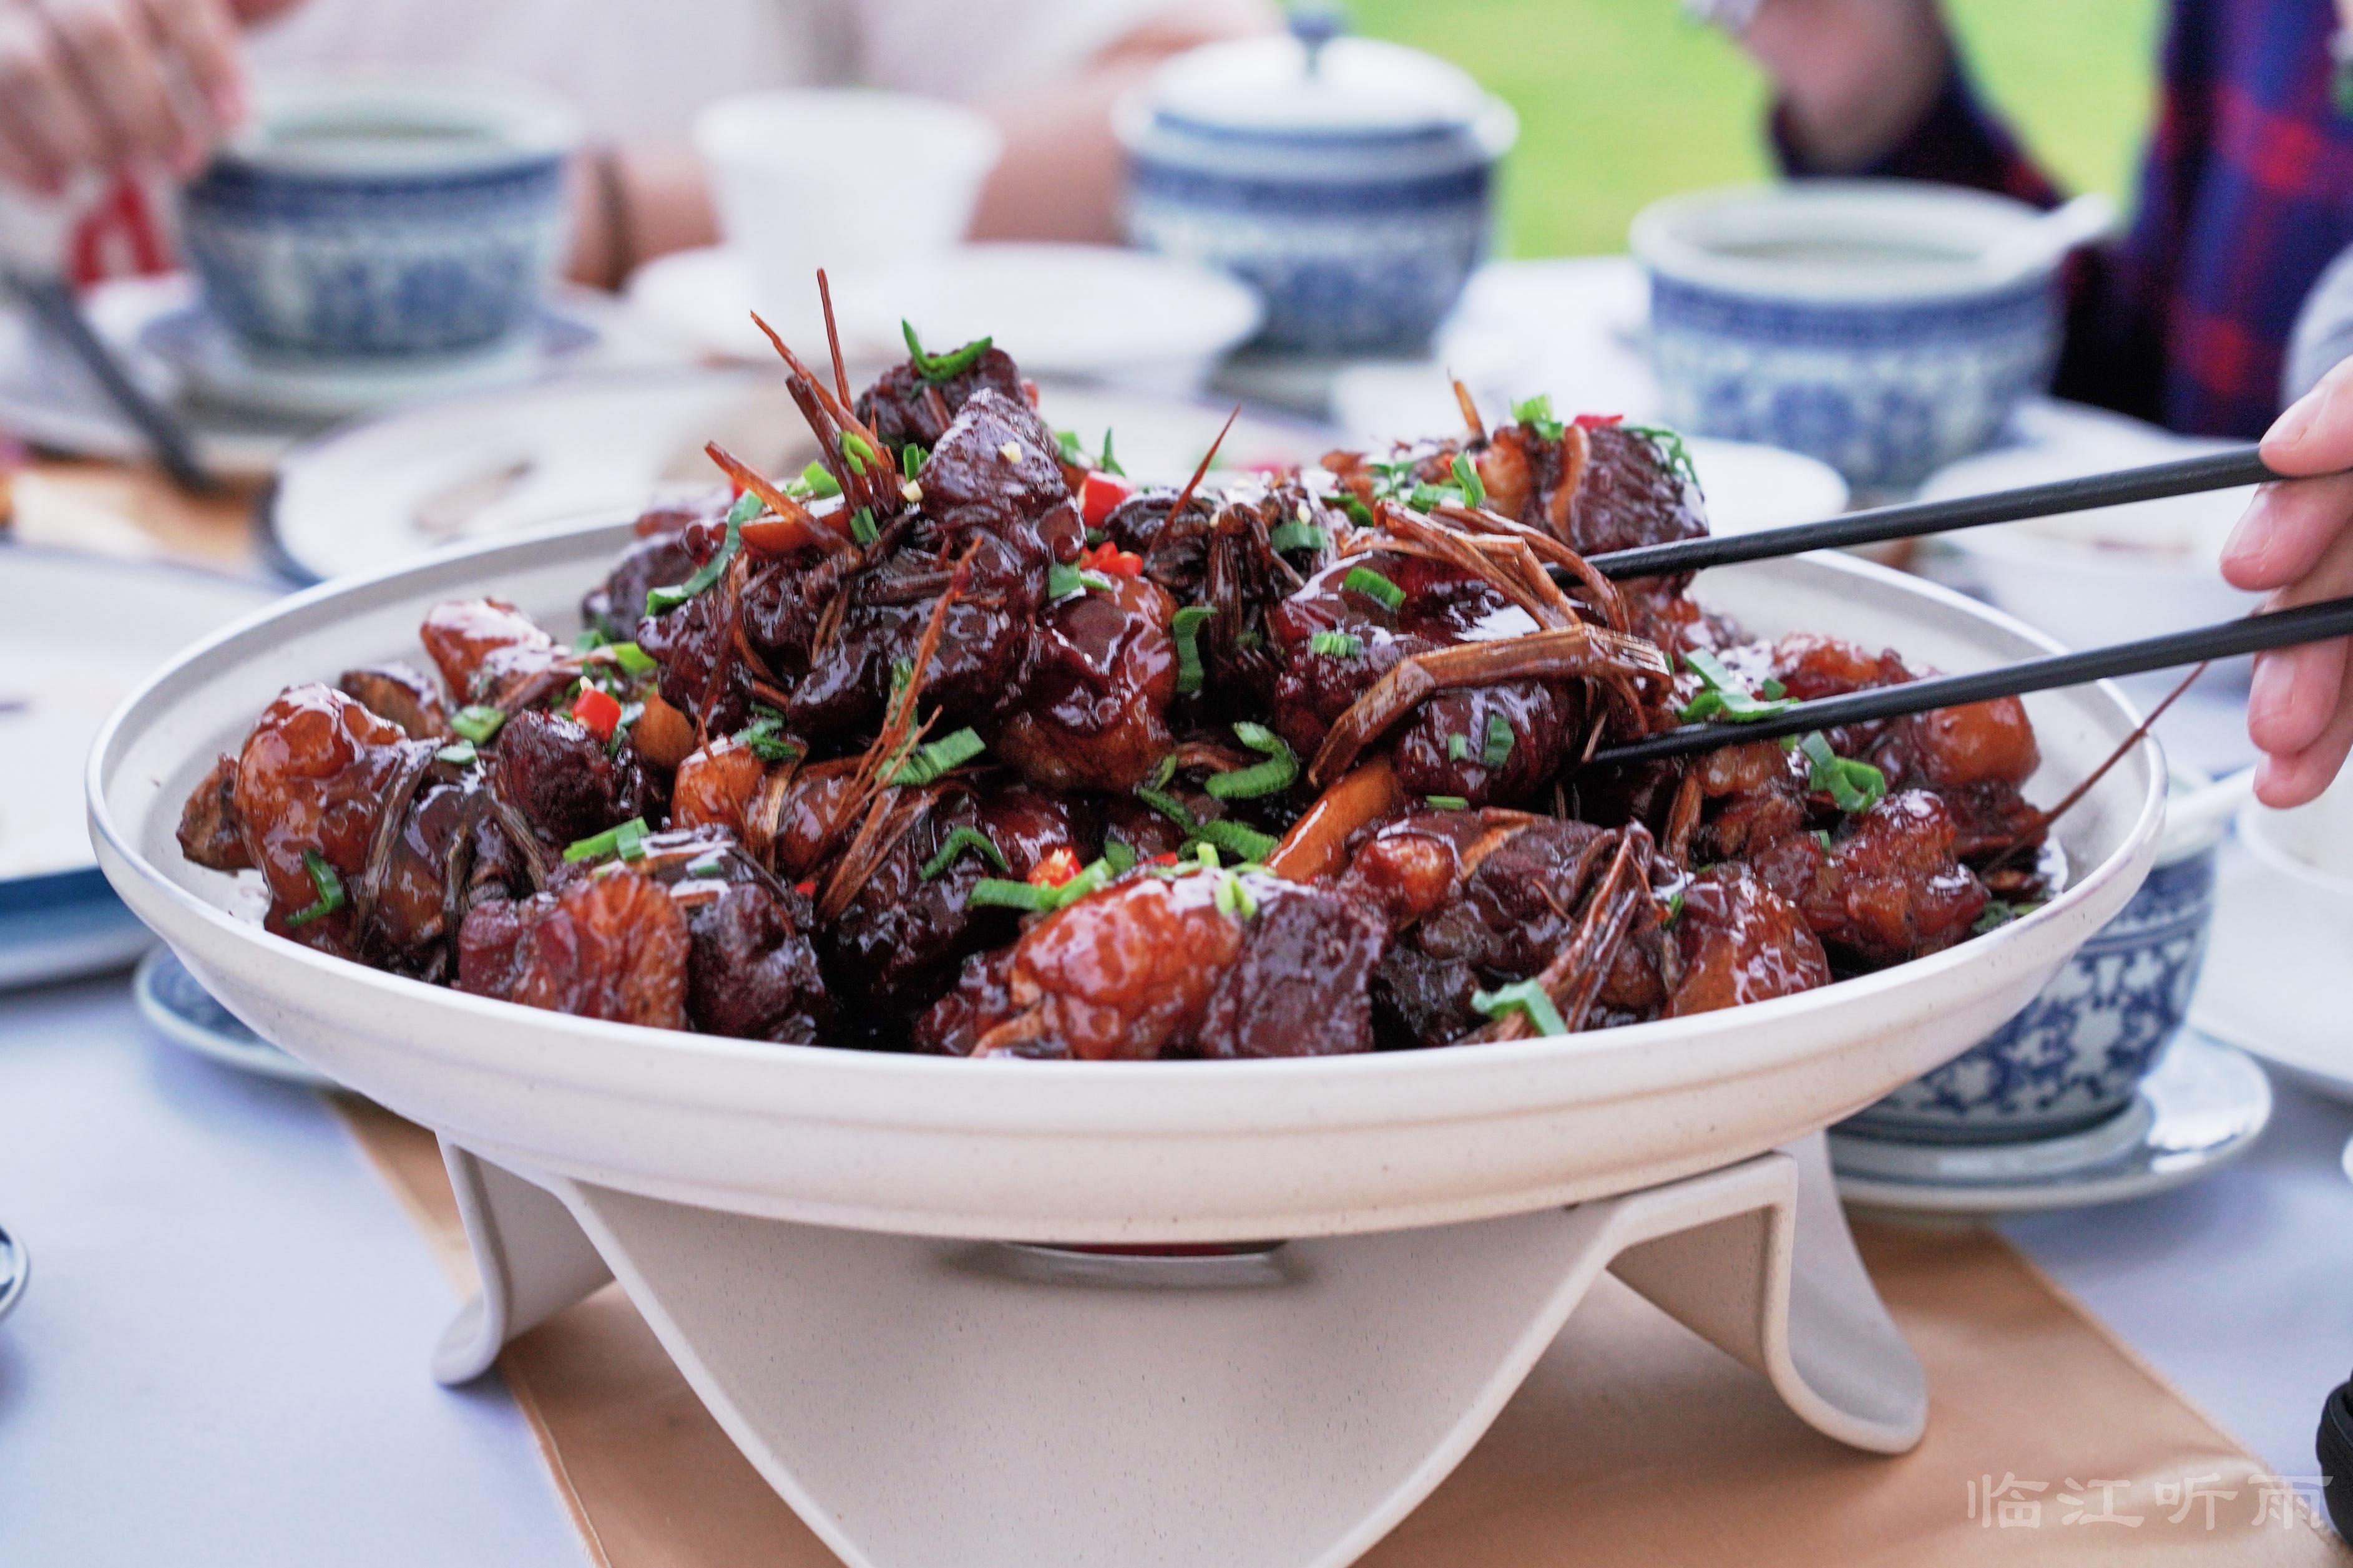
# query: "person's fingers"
{"type": "Point", "coordinates": [2286, 530]}
{"type": "Point", "coordinates": [21, 163]}
{"type": "Point", "coordinates": [2300, 695]}
{"type": "Point", "coordinates": [119, 66]}
{"type": "Point", "coordinates": [26, 157]}
{"type": "Point", "coordinates": [2293, 778]}
{"type": "Point", "coordinates": [2294, 696]}
{"type": "Point", "coordinates": [203, 36]}
{"type": "Point", "coordinates": [43, 100]}
{"type": "Point", "coordinates": [2315, 434]}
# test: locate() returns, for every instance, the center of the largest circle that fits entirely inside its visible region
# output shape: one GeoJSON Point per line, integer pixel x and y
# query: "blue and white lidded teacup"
{"type": "Point", "coordinates": [372, 217]}
{"type": "Point", "coordinates": [1349, 181]}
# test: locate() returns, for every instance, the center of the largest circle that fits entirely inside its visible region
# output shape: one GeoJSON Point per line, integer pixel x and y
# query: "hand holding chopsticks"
{"type": "Point", "coordinates": [2296, 541]}
{"type": "Point", "coordinates": [2319, 523]}
{"type": "Point", "coordinates": [2280, 628]}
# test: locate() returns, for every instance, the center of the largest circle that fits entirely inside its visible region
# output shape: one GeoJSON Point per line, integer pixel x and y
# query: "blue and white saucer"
{"type": "Point", "coordinates": [181, 1011]}
{"type": "Point", "coordinates": [215, 368]}
{"type": "Point", "coordinates": [2205, 1105]}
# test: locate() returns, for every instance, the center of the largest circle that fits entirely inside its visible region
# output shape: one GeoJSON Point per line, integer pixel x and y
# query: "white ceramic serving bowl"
{"type": "Point", "coordinates": [1850, 320]}
{"type": "Point", "coordinates": [854, 180]}
{"type": "Point", "coordinates": [1087, 1151]}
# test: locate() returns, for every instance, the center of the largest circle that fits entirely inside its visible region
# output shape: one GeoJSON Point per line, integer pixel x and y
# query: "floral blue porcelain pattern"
{"type": "Point", "coordinates": [404, 264]}
{"type": "Point", "coordinates": [2079, 1049]}
{"type": "Point", "coordinates": [1884, 392]}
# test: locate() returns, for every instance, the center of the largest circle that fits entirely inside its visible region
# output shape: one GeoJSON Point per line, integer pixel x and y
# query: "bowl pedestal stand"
{"type": "Point", "coordinates": [920, 1402]}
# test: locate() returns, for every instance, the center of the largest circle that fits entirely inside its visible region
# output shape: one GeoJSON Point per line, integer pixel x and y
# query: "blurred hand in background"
{"type": "Point", "coordinates": [114, 84]}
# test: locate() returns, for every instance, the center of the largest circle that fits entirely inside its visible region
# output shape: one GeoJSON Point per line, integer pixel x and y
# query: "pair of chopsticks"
{"type": "Point", "coordinates": [2188, 476]}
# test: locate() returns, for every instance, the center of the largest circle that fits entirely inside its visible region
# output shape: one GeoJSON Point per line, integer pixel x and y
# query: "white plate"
{"type": "Point", "coordinates": [47, 398]}
{"type": "Point", "coordinates": [2204, 1106]}
{"type": "Point", "coordinates": [216, 372]}
{"type": "Point", "coordinates": [188, 1015]}
{"type": "Point", "coordinates": [1075, 311]}
{"type": "Point", "coordinates": [1085, 1151]}
{"type": "Point", "coordinates": [80, 634]}
{"type": "Point", "coordinates": [2275, 963]}
{"type": "Point", "coordinates": [378, 492]}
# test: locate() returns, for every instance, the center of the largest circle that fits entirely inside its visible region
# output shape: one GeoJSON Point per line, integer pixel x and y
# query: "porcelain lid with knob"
{"type": "Point", "coordinates": [1313, 105]}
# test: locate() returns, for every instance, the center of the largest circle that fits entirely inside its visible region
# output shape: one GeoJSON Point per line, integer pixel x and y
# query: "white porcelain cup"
{"type": "Point", "coordinates": [850, 179]}
{"type": "Point", "coordinates": [2312, 844]}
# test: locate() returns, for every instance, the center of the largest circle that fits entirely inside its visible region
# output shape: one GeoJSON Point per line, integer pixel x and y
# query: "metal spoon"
{"type": "Point", "coordinates": [2048, 237]}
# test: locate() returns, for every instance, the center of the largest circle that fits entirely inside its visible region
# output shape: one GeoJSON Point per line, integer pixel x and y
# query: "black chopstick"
{"type": "Point", "coordinates": [2185, 476]}
{"type": "Point", "coordinates": [53, 305]}
{"type": "Point", "coordinates": [2280, 628]}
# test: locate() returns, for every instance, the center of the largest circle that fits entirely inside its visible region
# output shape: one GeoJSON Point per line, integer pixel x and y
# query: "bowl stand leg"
{"type": "Point", "coordinates": [920, 1401]}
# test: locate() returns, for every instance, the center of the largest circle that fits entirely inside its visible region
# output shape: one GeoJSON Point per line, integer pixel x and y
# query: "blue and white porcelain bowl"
{"type": "Point", "coordinates": [1349, 181]}
{"type": "Point", "coordinates": [373, 218]}
{"type": "Point", "coordinates": [1856, 321]}
{"type": "Point", "coordinates": [2074, 1058]}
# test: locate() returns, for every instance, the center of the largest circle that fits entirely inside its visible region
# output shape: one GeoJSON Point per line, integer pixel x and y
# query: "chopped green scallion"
{"type": "Point", "coordinates": [1523, 996]}
{"type": "Point", "coordinates": [941, 367]}
{"type": "Point", "coordinates": [933, 758]}
{"type": "Point", "coordinates": [820, 481]}
{"type": "Point", "coordinates": [1374, 586]}
{"type": "Point", "coordinates": [962, 839]}
{"type": "Point", "coordinates": [863, 531]}
{"type": "Point", "coordinates": [1297, 536]}
{"type": "Point", "coordinates": [1003, 893]}
{"type": "Point", "coordinates": [1721, 696]}
{"type": "Point", "coordinates": [1466, 475]}
{"type": "Point", "coordinates": [628, 841]}
{"type": "Point", "coordinates": [460, 755]}
{"type": "Point", "coordinates": [1447, 803]}
{"type": "Point", "coordinates": [1854, 787]}
{"type": "Point", "coordinates": [1336, 645]}
{"type": "Point", "coordinates": [329, 887]}
{"type": "Point", "coordinates": [1497, 751]}
{"type": "Point", "coordinates": [1273, 776]}
{"type": "Point", "coordinates": [1186, 625]}
{"type": "Point", "coordinates": [1535, 413]}
{"type": "Point", "coordinates": [662, 601]}
{"type": "Point", "coordinates": [477, 723]}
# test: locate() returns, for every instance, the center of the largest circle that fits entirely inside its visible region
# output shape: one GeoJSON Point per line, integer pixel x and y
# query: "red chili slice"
{"type": "Point", "coordinates": [599, 710]}
{"type": "Point", "coordinates": [1099, 492]}
{"type": "Point", "coordinates": [1055, 869]}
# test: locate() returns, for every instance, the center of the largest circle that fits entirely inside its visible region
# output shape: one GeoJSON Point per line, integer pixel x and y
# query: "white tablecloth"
{"type": "Point", "coordinates": [221, 1359]}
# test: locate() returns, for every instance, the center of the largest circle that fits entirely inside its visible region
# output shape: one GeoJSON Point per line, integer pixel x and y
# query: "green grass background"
{"type": "Point", "coordinates": [1622, 101]}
